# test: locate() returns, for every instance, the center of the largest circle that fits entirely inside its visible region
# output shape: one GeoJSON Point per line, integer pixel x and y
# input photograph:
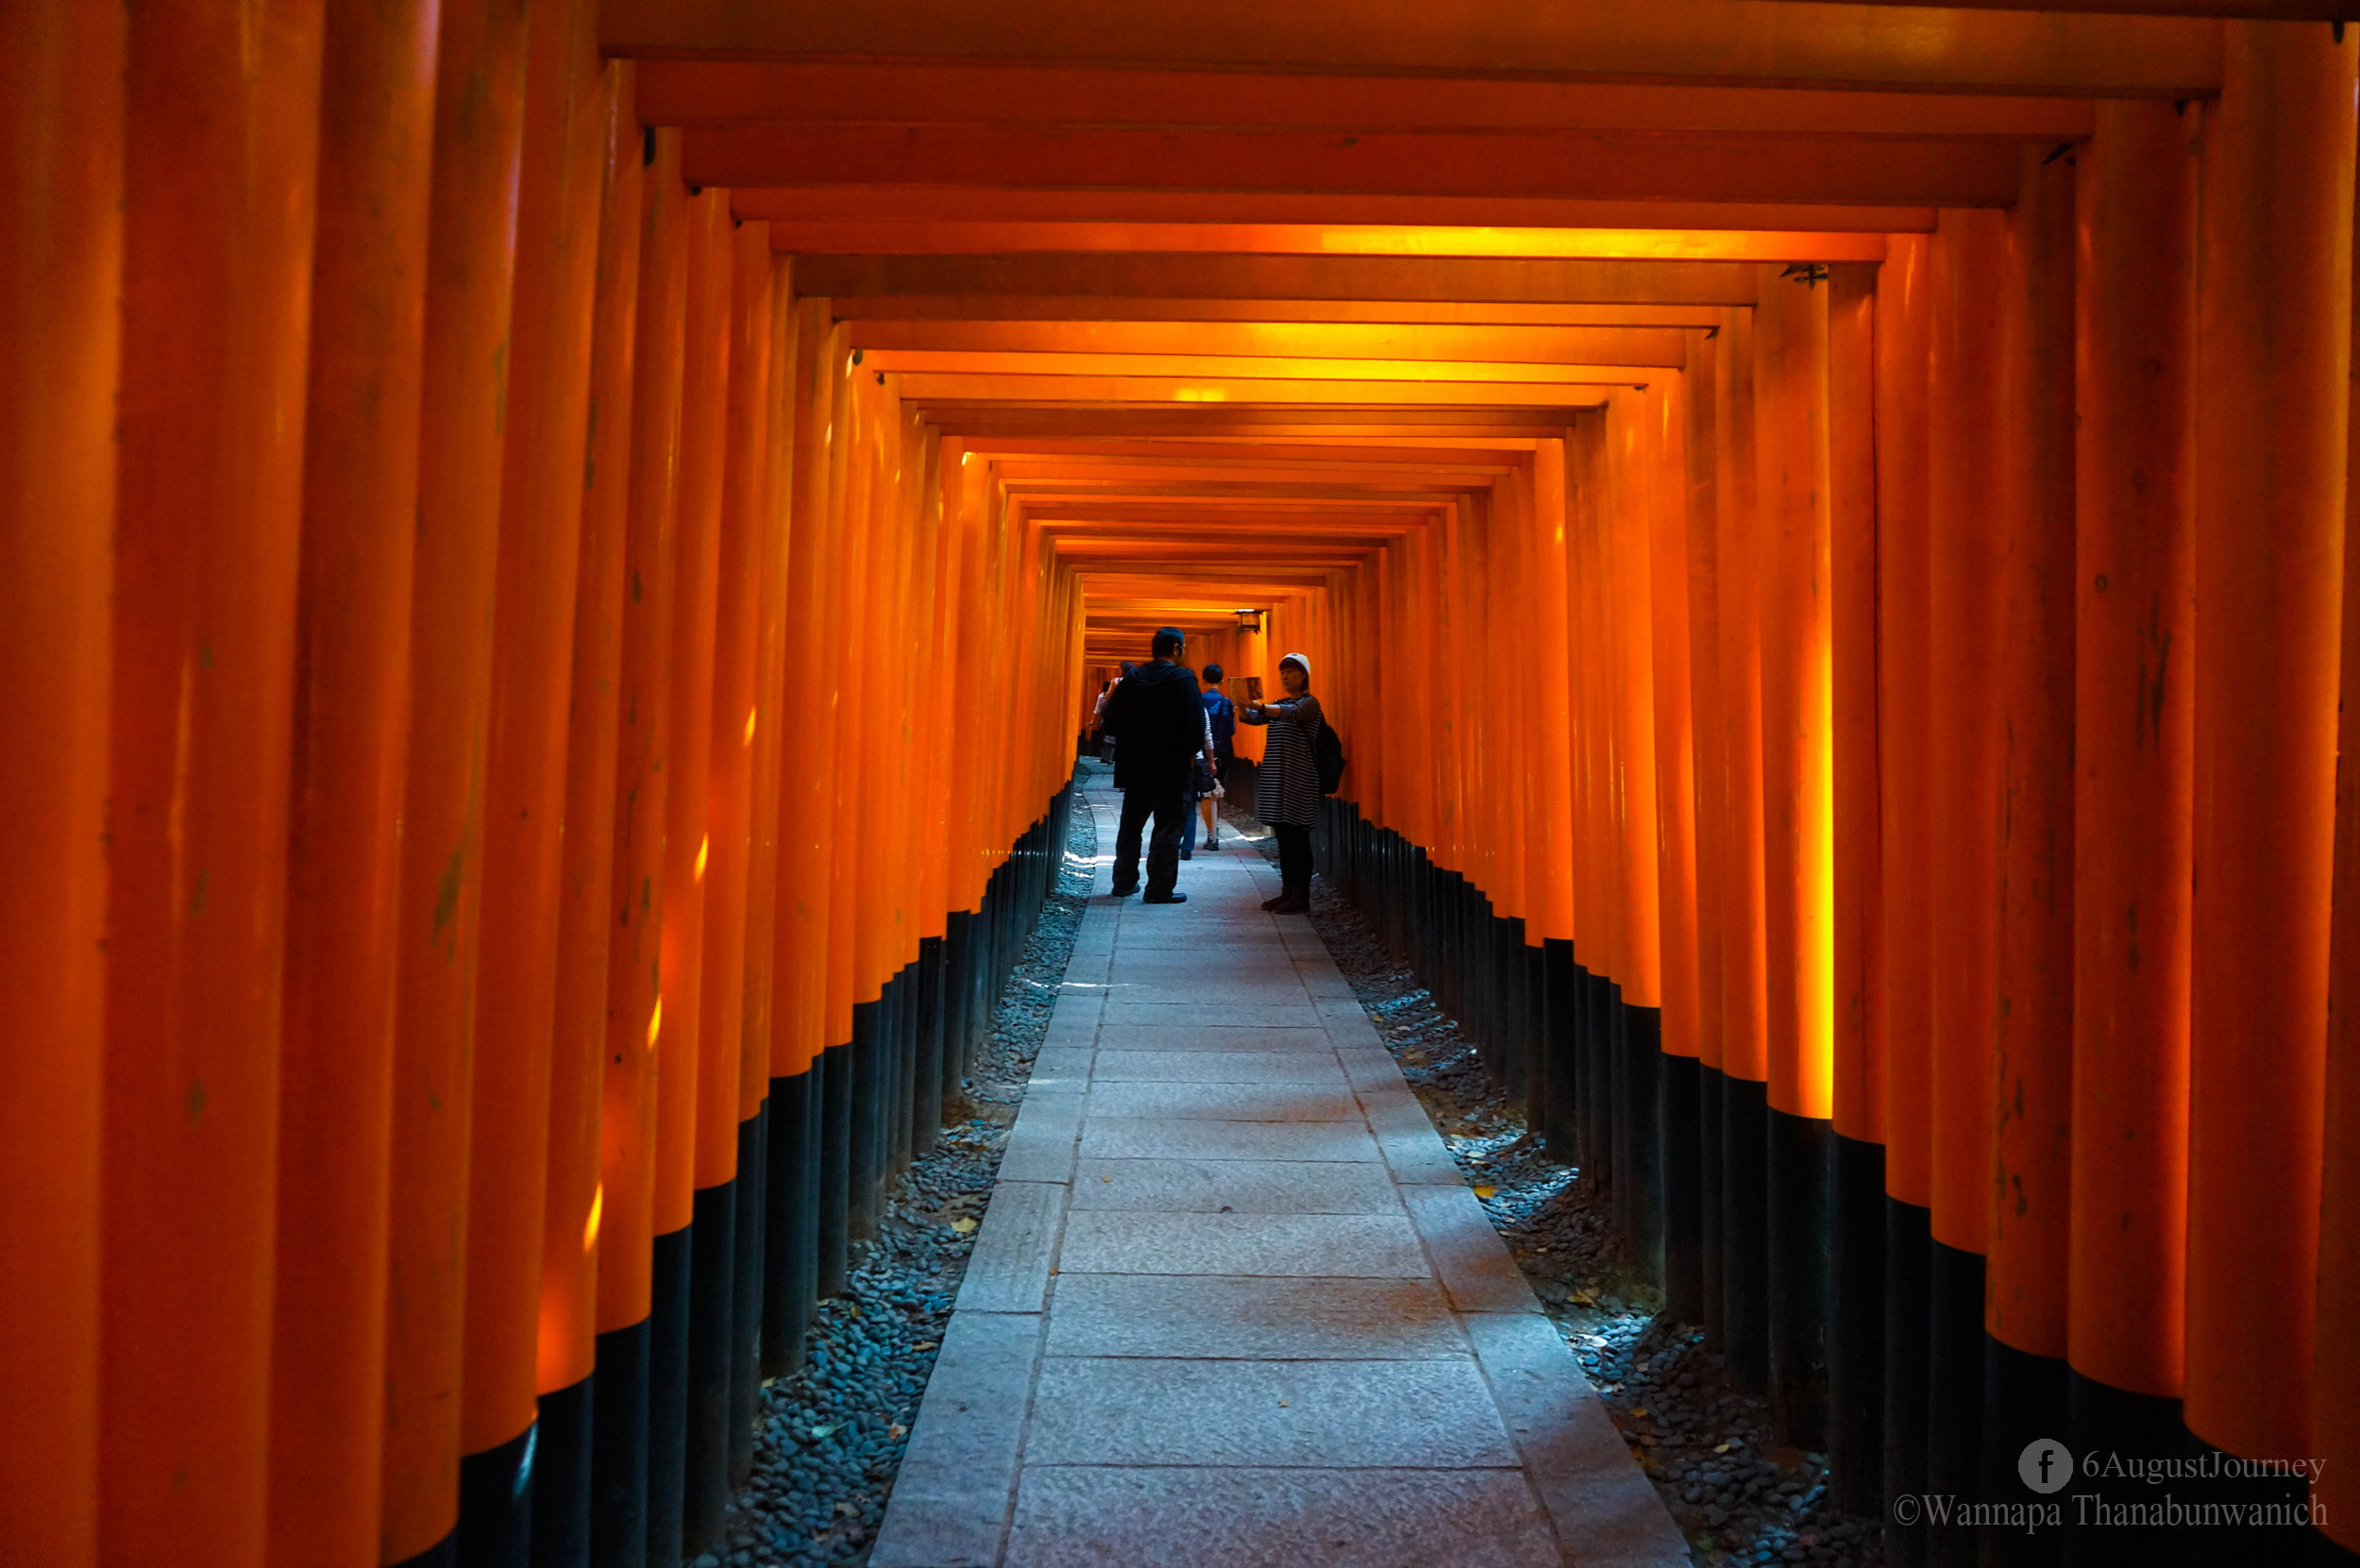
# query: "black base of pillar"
{"type": "Point", "coordinates": [1560, 997]}
{"type": "Point", "coordinates": [866, 1152]}
{"type": "Point", "coordinates": [669, 1319]}
{"type": "Point", "coordinates": [1745, 1233]}
{"type": "Point", "coordinates": [1683, 1192]}
{"type": "Point", "coordinates": [619, 1453]}
{"type": "Point", "coordinates": [495, 1504]}
{"type": "Point", "coordinates": [1954, 1395]}
{"type": "Point", "coordinates": [561, 1477]}
{"type": "Point", "coordinates": [753, 1203]}
{"type": "Point", "coordinates": [790, 1261]}
{"type": "Point", "coordinates": [1799, 1163]}
{"type": "Point", "coordinates": [1710, 1095]}
{"type": "Point", "coordinates": [835, 1167]}
{"type": "Point", "coordinates": [1856, 1329]}
{"type": "Point", "coordinates": [2025, 1400]}
{"type": "Point", "coordinates": [1642, 1144]}
{"type": "Point", "coordinates": [928, 1125]}
{"type": "Point", "coordinates": [1909, 1261]}
{"type": "Point", "coordinates": [712, 1310]}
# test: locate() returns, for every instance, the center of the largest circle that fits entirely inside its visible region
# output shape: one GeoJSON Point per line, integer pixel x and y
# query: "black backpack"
{"type": "Point", "coordinates": [1327, 758]}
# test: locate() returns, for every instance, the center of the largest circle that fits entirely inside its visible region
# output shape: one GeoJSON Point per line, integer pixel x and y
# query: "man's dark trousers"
{"type": "Point", "coordinates": [1169, 804]}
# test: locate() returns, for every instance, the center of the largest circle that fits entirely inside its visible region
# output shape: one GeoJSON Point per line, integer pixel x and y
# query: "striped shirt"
{"type": "Point", "coordinates": [1287, 786]}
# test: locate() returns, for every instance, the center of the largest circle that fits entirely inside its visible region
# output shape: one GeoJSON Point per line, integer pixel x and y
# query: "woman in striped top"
{"type": "Point", "coordinates": [1287, 788]}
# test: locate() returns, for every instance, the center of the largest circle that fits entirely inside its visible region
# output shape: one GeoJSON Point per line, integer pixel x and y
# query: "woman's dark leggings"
{"type": "Point", "coordinates": [1294, 857]}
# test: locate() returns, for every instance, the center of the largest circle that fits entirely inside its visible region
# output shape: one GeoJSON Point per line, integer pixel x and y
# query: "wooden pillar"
{"type": "Point", "coordinates": [1744, 1002]}
{"type": "Point", "coordinates": [1798, 757]}
{"type": "Point", "coordinates": [479, 133]}
{"type": "Point", "coordinates": [547, 429]}
{"type": "Point", "coordinates": [1701, 516]}
{"type": "Point", "coordinates": [2135, 781]}
{"type": "Point", "coordinates": [1856, 1214]}
{"type": "Point", "coordinates": [575, 1210]}
{"type": "Point", "coordinates": [2029, 1197]}
{"type": "Point", "coordinates": [352, 707]}
{"type": "Point", "coordinates": [1905, 850]}
{"type": "Point", "coordinates": [2273, 350]}
{"type": "Point", "coordinates": [220, 161]}
{"type": "Point", "coordinates": [1969, 256]}
{"type": "Point", "coordinates": [634, 1015]}
{"type": "Point", "coordinates": [61, 106]}
{"type": "Point", "coordinates": [742, 269]}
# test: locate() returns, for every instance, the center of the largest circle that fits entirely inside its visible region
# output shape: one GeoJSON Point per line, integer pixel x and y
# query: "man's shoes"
{"type": "Point", "coordinates": [1291, 903]}
{"type": "Point", "coordinates": [1273, 904]}
{"type": "Point", "coordinates": [1126, 892]}
{"type": "Point", "coordinates": [1166, 898]}
{"type": "Point", "coordinates": [1187, 855]}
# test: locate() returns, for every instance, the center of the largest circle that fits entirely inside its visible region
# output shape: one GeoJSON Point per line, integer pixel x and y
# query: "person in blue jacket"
{"type": "Point", "coordinates": [1221, 718]}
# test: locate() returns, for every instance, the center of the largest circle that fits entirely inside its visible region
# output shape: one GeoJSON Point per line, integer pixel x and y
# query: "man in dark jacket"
{"type": "Point", "coordinates": [1159, 723]}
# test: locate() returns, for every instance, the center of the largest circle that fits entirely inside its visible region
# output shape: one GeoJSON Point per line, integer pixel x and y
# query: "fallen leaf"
{"type": "Point", "coordinates": [896, 1430]}
{"type": "Point", "coordinates": [825, 1431]}
{"type": "Point", "coordinates": [964, 1227]}
{"type": "Point", "coordinates": [1640, 1414]}
{"type": "Point", "coordinates": [1485, 1191]}
{"type": "Point", "coordinates": [1723, 1447]}
{"type": "Point", "coordinates": [925, 1345]}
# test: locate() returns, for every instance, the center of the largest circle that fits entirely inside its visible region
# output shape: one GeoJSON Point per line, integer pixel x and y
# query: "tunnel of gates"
{"type": "Point", "coordinates": [548, 602]}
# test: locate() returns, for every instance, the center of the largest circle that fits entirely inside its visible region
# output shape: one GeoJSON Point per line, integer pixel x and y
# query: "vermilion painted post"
{"type": "Point", "coordinates": [1856, 1213]}
{"type": "Point", "coordinates": [2029, 1197]}
{"type": "Point", "coordinates": [352, 708]}
{"type": "Point", "coordinates": [479, 136]}
{"type": "Point", "coordinates": [1701, 516]}
{"type": "Point", "coordinates": [2273, 352]}
{"type": "Point", "coordinates": [2134, 773]}
{"type": "Point", "coordinates": [574, 1213]}
{"type": "Point", "coordinates": [1745, 984]}
{"type": "Point", "coordinates": [703, 434]}
{"type": "Point", "coordinates": [220, 166]}
{"type": "Point", "coordinates": [1792, 563]}
{"type": "Point", "coordinates": [742, 267]}
{"type": "Point", "coordinates": [634, 1017]}
{"type": "Point", "coordinates": [545, 432]}
{"type": "Point", "coordinates": [60, 272]}
{"type": "Point", "coordinates": [1968, 259]}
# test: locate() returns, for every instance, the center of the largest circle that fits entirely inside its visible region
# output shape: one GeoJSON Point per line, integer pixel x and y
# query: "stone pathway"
{"type": "Point", "coordinates": [1232, 1304]}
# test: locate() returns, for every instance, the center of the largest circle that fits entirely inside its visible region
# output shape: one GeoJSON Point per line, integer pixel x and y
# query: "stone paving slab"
{"type": "Point", "coordinates": [1234, 1185]}
{"type": "Point", "coordinates": [950, 1499]}
{"type": "Point", "coordinates": [1008, 1271]}
{"type": "Point", "coordinates": [1468, 1252]}
{"type": "Point", "coordinates": [1608, 1514]}
{"type": "Point", "coordinates": [1218, 1067]}
{"type": "Point", "coordinates": [1130, 1138]}
{"type": "Point", "coordinates": [1118, 1410]}
{"type": "Point", "coordinates": [1219, 1037]}
{"type": "Point", "coordinates": [1298, 1518]}
{"type": "Point", "coordinates": [1345, 1246]}
{"type": "Point", "coordinates": [1223, 1101]}
{"type": "Point", "coordinates": [1248, 1318]}
{"type": "Point", "coordinates": [1064, 1068]}
{"type": "Point", "coordinates": [1041, 1145]}
{"type": "Point", "coordinates": [1157, 1015]}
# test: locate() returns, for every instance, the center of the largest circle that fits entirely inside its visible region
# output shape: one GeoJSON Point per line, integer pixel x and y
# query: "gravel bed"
{"type": "Point", "coordinates": [831, 1436]}
{"type": "Point", "coordinates": [1737, 1497]}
